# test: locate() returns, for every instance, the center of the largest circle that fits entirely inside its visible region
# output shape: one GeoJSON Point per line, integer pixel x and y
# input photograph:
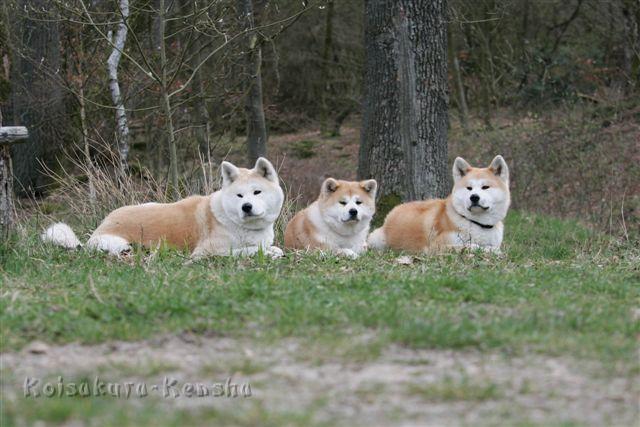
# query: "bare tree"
{"type": "Point", "coordinates": [326, 51]}
{"type": "Point", "coordinates": [118, 43]}
{"type": "Point", "coordinates": [254, 110]}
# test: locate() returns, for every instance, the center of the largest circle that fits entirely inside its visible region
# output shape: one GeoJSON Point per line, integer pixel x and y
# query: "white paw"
{"type": "Point", "coordinates": [274, 252]}
{"type": "Point", "coordinates": [349, 253]}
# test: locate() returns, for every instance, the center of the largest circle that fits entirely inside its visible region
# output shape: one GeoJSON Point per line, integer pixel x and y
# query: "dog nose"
{"type": "Point", "coordinates": [353, 212]}
{"type": "Point", "coordinates": [475, 198]}
{"type": "Point", "coordinates": [247, 207]}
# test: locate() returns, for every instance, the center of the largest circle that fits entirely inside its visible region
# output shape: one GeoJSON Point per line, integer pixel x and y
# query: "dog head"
{"type": "Point", "coordinates": [348, 206]}
{"type": "Point", "coordinates": [252, 198]}
{"type": "Point", "coordinates": [481, 194]}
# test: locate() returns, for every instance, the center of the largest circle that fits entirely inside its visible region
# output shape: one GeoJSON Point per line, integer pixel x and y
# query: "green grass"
{"type": "Point", "coordinates": [559, 289]}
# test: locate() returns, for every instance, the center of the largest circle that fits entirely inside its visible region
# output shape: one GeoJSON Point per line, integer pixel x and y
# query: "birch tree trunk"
{"type": "Point", "coordinates": [404, 130]}
{"type": "Point", "coordinates": [114, 85]}
{"type": "Point", "coordinates": [254, 111]}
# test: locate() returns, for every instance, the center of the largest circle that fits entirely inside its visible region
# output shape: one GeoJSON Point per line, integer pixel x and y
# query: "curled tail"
{"type": "Point", "coordinates": [377, 239]}
{"type": "Point", "coordinates": [61, 234]}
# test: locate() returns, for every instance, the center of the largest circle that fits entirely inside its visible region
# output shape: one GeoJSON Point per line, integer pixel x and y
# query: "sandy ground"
{"type": "Point", "coordinates": [400, 387]}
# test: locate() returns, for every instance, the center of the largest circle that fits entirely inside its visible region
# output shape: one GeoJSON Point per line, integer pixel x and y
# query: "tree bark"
{"type": "Point", "coordinates": [81, 80]}
{"type": "Point", "coordinates": [114, 85]}
{"type": "Point", "coordinates": [166, 103]}
{"type": "Point", "coordinates": [463, 109]}
{"type": "Point", "coordinates": [404, 131]}
{"type": "Point", "coordinates": [36, 102]}
{"type": "Point", "coordinates": [631, 45]}
{"type": "Point", "coordinates": [254, 111]}
{"type": "Point", "coordinates": [324, 82]}
{"type": "Point", "coordinates": [8, 135]}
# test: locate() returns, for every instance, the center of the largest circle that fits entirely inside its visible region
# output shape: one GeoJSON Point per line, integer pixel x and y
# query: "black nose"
{"type": "Point", "coordinates": [475, 198]}
{"type": "Point", "coordinates": [247, 207]}
{"type": "Point", "coordinates": [353, 212]}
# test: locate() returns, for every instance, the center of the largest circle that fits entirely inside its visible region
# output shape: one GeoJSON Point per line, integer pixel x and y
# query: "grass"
{"type": "Point", "coordinates": [559, 289]}
{"type": "Point", "coordinates": [456, 390]}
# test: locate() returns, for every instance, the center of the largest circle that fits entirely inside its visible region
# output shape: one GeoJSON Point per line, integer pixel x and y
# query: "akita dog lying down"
{"type": "Point", "coordinates": [337, 221]}
{"type": "Point", "coordinates": [235, 220]}
{"type": "Point", "coordinates": [471, 217]}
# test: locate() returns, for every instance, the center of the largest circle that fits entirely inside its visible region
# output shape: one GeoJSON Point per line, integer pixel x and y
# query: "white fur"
{"type": "Point", "coordinates": [377, 239]}
{"type": "Point", "coordinates": [470, 235]}
{"type": "Point", "coordinates": [114, 245]}
{"type": "Point", "coordinates": [243, 234]}
{"type": "Point", "coordinates": [62, 235]}
{"type": "Point", "coordinates": [494, 203]}
{"type": "Point", "coordinates": [344, 238]}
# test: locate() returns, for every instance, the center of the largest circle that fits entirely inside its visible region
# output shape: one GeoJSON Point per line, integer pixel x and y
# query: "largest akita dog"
{"type": "Point", "coordinates": [470, 217]}
{"type": "Point", "coordinates": [235, 220]}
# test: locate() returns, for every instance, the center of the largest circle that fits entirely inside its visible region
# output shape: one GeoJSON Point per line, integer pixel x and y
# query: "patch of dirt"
{"type": "Point", "coordinates": [326, 157]}
{"type": "Point", "coordinates": [401, 387]}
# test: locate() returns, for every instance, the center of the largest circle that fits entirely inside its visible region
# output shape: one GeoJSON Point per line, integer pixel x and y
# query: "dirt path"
{"type": "Point", "coordinates": [401, 387]}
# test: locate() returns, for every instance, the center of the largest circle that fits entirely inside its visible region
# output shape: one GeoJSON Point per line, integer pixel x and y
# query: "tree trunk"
{"type": "Point", "coordinates": [114, 86]}
{"type": "Point", "coordinates": [166, 104]}
{"type": "Point", "coordinates": [83, 118]}
{"type": "Point", "coordinates": [404, 131]}
{"type": "Point", "coordinates": [36, 102]}
{"type": "Point", "coordinates": [254, 111]}
{"type": "Point", "coordinates": [324, 82]}
{"type": "Point", "coordinates": [631, 45]}
{"type": "Point", "coordinates": [463, 109]}
{"type": "Point", "coordinates": [204, 133]}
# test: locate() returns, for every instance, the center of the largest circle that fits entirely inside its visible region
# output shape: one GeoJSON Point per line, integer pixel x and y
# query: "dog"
{"type": "Point", "coordinates": [338, 221]}
{"type": "Point", "coordinates": [471, 217]}
{"type": "Point", "coordinates": [235, 220]}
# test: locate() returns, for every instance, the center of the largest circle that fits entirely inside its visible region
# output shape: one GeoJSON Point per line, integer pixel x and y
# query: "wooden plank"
{"type": "Point", "coordinates": [13, 134]}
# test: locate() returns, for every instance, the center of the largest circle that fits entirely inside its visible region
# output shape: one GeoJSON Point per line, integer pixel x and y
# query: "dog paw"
{"type": "Point", "coordinates": [274, 252]}
{"type": "Point", "coordinates": [349, 253]}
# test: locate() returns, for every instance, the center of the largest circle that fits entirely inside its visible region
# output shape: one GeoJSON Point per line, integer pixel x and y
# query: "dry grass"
{"type": "Point", "coordinates": [573, 162]}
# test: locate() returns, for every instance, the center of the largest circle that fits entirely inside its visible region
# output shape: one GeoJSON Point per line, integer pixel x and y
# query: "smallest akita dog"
{"type": "Point", "coordinates": [471, 217]}
{"type": "Point", "coordinates": [338, 221]}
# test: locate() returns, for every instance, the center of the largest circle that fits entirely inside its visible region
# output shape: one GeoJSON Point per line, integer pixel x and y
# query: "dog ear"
{"type": "Point", "coordinates": [499, 167]}
{"type": "Point", "coordinates": [265, 169]}
{"type": "Point", "coordinates": [460, 168]}
{"type": "Point", "coordinates": [229, 173]}
{"type": "Point", "coordinates": [370, 186]}
{"type": "Point", "coordinates": [329, 186]}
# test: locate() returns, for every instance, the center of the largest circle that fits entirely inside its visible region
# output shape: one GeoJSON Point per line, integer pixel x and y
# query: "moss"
{"type": "Point", "coordinates": [384, 205]}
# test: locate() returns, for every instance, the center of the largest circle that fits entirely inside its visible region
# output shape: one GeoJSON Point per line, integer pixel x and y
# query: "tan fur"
{"type": "Point", "coordinates": [301, 233]}
{"type": "Point", "coordinates": [426, 225]}
{"type": "Point", "coordinates": [181, 224]}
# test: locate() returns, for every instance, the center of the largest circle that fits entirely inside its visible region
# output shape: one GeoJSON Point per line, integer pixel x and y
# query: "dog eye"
{"type": "Point", "coordinates": [257, 192]}
{"type": "Point", "coordinates": [343, 203]}
{"type": "Point", "coordinates": [358, 202]}
{"type": "Point", "coordinates": [485, 187]}
{"type": "Point", "coordinates": [240, 195]}
{"type": "Point", "coordinates": [469, 188]}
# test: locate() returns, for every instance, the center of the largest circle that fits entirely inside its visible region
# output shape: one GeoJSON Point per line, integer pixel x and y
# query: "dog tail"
{"type": "Point", "coordinates": [377, 239]}
{"type": "Point", "coordinates": [61, 234]}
